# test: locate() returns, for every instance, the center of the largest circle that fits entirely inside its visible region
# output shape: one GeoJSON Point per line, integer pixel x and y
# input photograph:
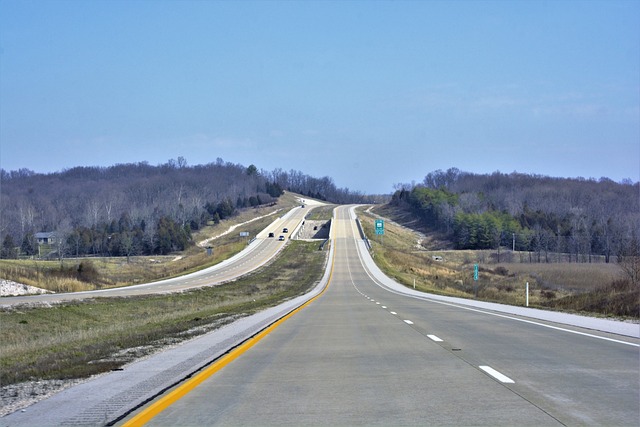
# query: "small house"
{"type": "Point", "coordinates": [46, 238]}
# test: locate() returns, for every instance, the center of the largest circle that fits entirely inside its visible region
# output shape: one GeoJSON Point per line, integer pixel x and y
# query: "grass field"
{"type": "Point", "coordinates": [76, 340]}
{"type": "Point", "coordinates": [409, 256]}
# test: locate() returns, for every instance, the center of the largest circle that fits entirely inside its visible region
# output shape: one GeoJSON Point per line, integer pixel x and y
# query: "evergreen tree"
{"type": "Point", "coordinates": [29, 244]}
{"type": "Point", "coordinates": [8, 250]}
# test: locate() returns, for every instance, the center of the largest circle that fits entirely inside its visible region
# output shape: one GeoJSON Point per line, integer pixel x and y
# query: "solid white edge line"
{"type": "Point", "coordinates": [434, 338]}
{"type": "Point", "coordinates": [510, 317]}
{"type": "Point", "coordinates": [497, 375]}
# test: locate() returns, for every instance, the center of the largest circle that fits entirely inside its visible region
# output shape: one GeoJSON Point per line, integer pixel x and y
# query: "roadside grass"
{"type": "Point", "coordinates": [47, 275]}
{"type": "Point", "coordinates": [573, 277]}
{"type": "Point", "coordinates": [321, 213]}
{"type": "Point", "coordinates": [66, 276]}
{"type": "Point", "coordinates": [80, 339]}
{"type": "Point", "coordinates": [597, 289]}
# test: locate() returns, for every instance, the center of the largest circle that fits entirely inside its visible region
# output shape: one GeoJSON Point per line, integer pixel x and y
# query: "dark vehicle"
{"type": "Point", "coordinates": [281, 238]}
{"type": "Point", "coordinates": [272, 235]}
{"type": "Point", "coordinates": [285, 230]}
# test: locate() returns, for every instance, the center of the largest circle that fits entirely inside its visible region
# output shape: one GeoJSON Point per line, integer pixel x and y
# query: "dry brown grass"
{"type": "Point", "coordinates": [50, 275]}
{"type": "Point", "coordinates": [597, 288]}
{"type": "Point", "coordinates": [578, 277]}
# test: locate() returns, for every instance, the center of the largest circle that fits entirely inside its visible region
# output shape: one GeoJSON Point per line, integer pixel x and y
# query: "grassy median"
{"type": "Point", "coordinates": [79, 339]}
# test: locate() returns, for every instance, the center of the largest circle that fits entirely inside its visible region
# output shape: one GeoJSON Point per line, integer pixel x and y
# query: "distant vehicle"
{"type": "Point", "coordinates": [302, 206]}
{"type": "Point", "coordinates": [281, 238]}
{"type": "Point", "coordinates": [272, 235]}
{"type": "Point", "coordinates": [285, 230]}
{"type": "Point", "coordinates": [315, 227]}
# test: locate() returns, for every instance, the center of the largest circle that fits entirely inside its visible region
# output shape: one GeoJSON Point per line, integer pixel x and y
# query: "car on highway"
{"type": "Point", "coordinates": [285, 230]}
{"type": "Point", "coordinates": [272, 235]}
{"type": "Point", "coordinates": [281, 238]}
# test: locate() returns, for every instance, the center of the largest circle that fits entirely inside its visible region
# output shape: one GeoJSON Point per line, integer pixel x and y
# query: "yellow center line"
{"type": "Point", "coordinates": [163, 403]}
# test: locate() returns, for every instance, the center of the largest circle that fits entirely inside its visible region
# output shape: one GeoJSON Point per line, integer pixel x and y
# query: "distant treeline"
{"type": "Point", "coordinates": [136, 209]}
{"type": "Point", "coordinates": [534, 213]}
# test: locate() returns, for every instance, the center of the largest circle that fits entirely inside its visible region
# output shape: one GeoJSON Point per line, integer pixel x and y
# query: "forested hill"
{"type": "Point", "coordinates": [540, 214]}
{"type": "Point", "coordinates": [138, 208]}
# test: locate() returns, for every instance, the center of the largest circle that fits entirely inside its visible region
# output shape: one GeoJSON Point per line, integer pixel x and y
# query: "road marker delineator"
{"type": "Point", "coordinates": [151, 411]}
{"type": "Point", "coordinates": [408, 322]}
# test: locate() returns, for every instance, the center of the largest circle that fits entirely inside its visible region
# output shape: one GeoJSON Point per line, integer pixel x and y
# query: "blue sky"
{"type": "Point", "coordinates": [370, 93]}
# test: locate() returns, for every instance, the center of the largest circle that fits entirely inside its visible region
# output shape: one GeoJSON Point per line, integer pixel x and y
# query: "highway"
{"type": "Point", "coordinates": [260, 251]}
{"type": "Point", "coordinates": [361, 355]}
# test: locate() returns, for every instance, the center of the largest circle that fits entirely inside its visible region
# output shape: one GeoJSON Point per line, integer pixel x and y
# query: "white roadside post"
{"type": "Point", "coordinates": [527, 303]}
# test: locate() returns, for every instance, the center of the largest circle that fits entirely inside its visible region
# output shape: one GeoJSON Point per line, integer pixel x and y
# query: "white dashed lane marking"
{"type": "Point", "coordinates": [487, 369]}
{"type": "Point", "coordinates": [497, 375]}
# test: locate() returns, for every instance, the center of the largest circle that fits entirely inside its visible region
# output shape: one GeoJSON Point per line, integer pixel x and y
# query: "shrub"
{"type": "Point", "coordinates": [501, 271]}
{"type": "Point", "coordinates": [548, 294]}
{"type": "Point", "coordinates": [505, 287]}
{"type": "Point", "coordinates": [87, 272]}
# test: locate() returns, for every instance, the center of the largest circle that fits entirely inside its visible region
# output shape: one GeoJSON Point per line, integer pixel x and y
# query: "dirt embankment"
{"type": "Point", "coordinates": [313, 229]}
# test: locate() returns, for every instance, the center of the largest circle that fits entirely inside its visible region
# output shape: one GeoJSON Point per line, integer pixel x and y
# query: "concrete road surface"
{"type": "Point", "coordinates": [361, 355]}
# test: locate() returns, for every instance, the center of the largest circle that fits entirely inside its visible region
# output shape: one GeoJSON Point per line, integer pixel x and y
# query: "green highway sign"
{"type": "Point", "coordinates": [379, 226]}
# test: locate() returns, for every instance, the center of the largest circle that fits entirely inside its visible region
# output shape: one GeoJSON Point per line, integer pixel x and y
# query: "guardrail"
{"type": "Point", "coordinates": [363, 235]}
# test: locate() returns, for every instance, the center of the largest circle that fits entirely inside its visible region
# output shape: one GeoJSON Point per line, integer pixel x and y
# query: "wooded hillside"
{"type": "Point", "coordinates": [131, 209]}
{"type": "Point", "coordinates": [577, 217]}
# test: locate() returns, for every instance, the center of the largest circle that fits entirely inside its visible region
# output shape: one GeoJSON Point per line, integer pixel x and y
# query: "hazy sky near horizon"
{"type": "Point", "coordinates": [370, 93]}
